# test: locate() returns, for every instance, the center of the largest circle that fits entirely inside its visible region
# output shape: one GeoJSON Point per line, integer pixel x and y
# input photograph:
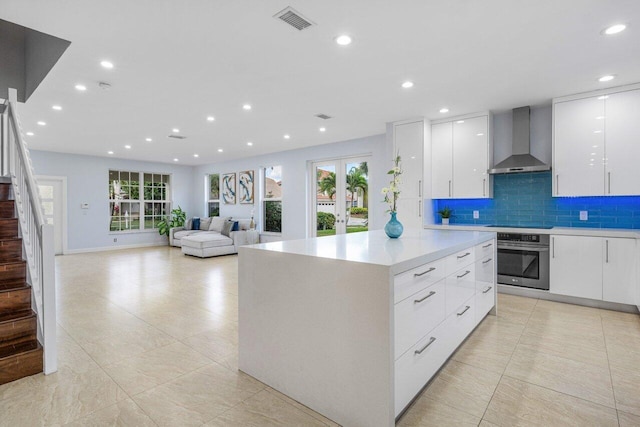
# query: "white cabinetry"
{"type": "Point", "coordinates": [408, 141]}
{"type": "Point", "coordinates": [461, 152]}
{"type": "Point", "coordinates": [595, 144]}
{"type": "Point", "coordinates": [594, 267]}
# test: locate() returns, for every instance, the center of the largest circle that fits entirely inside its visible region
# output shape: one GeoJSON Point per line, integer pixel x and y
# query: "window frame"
{"type": "Point", "coordinates": [264, 200]}
{"type": "Point", "coordinates": [209, 200]}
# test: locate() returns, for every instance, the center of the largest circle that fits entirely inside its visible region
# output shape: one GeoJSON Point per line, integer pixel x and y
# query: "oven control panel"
{"type": "Point", "coordinates": [517, 237]}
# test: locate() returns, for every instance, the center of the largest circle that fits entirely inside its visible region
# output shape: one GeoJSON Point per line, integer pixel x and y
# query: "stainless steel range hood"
{"type": "Point", "coordinates": [521, 159]}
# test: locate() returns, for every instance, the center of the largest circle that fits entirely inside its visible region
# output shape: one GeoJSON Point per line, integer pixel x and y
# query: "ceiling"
{"type": "Point", "coordinates": [177, 62]}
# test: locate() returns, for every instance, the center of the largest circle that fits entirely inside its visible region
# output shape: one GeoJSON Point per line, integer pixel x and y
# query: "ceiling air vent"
{"type": "Point", "coordinates": [293, 18]}
{"type": "Point", "coordinates": [177, 137]}
{"type": "Point", "coordinates": [323, 116]}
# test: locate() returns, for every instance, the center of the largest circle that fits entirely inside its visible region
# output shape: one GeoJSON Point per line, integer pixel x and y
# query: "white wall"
{"type": "Point", "coordinates": [87, 182]}
{"type": "Point", "coordinates": [295, 177]}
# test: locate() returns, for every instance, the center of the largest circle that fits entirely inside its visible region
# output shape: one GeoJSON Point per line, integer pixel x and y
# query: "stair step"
{"type": "Point", "coordinates": [7, 209]}
{"type": "Point", "coordinates": [15, 300]}
{"type": "Point", "coordinates": [11, 250]}
{"type": "Point", "coordinates": [5, 191]}
{"type": "Point", "coordinates": [12, 271]}
{"type": "Point", "coordinates": [23, 364]}
{"type": "Point", "coordinates": [8, 228]}
{"type": "Point", "coordinates": [17, 332]}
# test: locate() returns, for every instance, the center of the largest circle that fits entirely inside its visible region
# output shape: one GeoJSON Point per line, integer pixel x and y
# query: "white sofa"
{"type": "Point", "coordinates": [208, 240]}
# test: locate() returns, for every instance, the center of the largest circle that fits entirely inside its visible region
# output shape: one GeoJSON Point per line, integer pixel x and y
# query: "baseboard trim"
{"type": "Point", "coordinates": [112, 248]}
{"type": "Point", "coordinates": [546, 295]}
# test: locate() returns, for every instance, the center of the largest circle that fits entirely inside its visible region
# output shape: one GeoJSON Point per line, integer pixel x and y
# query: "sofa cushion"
{"type": "Point", "coordinates": [206, 240]}
{"type": "Point", "coordinates": [227, 228]}
{"type": "Point", "coordinates": [217, 222]}
{"type": "Point", "coordinates": [244, 224]}
{"type": "Point", "coordinates": [205, 223]}
{"type": "Point", "coordinates": [184, 233]}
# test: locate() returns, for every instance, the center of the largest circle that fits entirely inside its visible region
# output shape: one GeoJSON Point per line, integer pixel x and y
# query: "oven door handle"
{"type": "Point", "coordinates": [524, 248]}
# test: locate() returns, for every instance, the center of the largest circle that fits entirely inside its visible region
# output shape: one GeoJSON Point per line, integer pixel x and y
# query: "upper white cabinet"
{"type": "Point", "coordinates": [408, 141]}
{"type": "Point", "coordinates": [461, 153]}
{"type": "Point", "coordinates": [596, 144]}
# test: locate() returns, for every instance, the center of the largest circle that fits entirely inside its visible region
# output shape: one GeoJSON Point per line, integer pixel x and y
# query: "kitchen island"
{"type": "Point", "coordinates": [353, 326]}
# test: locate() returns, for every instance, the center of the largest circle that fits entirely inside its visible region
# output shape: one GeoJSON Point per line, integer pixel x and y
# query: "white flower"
{"type": "Point", "coordinates": [385, 190]}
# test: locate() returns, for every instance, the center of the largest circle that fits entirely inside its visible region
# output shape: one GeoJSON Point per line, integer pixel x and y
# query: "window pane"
{"type": "Point", "coordinates": [273, 216]}
{"type": "Point", "coordinates": [214, 186]}
{"type": "Point", "coordinates": [214, 209]}
{"type": "Point", "coordinates": [273, 182]}
{"type": "Point", "coordinates": [46, 191]}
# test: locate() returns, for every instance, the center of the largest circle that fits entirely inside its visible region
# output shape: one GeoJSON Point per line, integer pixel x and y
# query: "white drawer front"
{"type": "Point", "coordinates": [414, 369]}
{"type": "Point", "coordinates": [462, 321]}
{"type": "Point", "coordinates": [485, 272]}
{"type": "Point", "coordinates": [485, 249]}
{"type": "Point", "coordinates": [415, 280]}
{"type": "Point", "coordinates": [459, 287]}
{"type": "Point", "coordinates": [485, 300]}
{"type": "Point", "coordinates": [461, 259]}
{"type": "Point", "coordinates": [417, 315]}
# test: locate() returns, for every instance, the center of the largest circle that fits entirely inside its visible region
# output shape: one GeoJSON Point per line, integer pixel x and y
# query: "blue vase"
{"type": "Point", "coordinates": [393, 228]}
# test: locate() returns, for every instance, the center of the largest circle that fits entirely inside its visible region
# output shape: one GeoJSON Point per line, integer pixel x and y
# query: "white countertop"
{"type": "Point", "coordinates": [412, 249]}
{"type": "Point", "coordinates": [566, 231]}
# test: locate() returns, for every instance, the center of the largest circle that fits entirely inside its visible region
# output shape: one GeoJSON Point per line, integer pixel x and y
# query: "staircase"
{"type": "Point", "coordinates": [20, 353]}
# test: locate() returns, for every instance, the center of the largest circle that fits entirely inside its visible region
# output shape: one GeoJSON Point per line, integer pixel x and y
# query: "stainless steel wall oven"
{"type": "Point", "coordinates": [523, 260]}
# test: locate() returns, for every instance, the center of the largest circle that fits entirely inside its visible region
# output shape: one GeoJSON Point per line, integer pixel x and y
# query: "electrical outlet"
{"type": "Point", "coordinates": [584, 215]}
{"type": "Point", "coordinates": [115, 239]}
{"type": "Point", "coordinates": [476, 214]}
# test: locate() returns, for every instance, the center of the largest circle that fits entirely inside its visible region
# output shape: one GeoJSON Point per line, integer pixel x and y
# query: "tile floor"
{"type": "Point", "coordinates": [148, 337]}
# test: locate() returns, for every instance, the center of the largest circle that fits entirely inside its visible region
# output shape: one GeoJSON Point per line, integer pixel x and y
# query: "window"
{"type": "Point", "coordinates": [213, 204]}
{"type": "Point", "coordinates": [272, 199]}
{"type": "Point", "coordinates": [129, 197]}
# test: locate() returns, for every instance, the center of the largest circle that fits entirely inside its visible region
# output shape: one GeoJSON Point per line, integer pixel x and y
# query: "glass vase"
{"type": "Point", "coordinates": [393, 228]}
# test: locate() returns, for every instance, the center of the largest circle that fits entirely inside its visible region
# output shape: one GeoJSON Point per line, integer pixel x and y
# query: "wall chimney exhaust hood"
{"type": "Point", "coordinates": [521, 159]}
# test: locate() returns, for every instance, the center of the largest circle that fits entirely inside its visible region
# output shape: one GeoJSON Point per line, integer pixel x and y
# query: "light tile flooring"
{"type": "Point", "coordinates": [149, 337]}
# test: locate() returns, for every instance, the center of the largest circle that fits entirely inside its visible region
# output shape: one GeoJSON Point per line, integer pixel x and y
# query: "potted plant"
{"type": "Point", "coordinates": [176, 219]}
{"type": "Point", "coordinates": [445, 213]}
{"type": "Point", "coordinates": [393, 228]}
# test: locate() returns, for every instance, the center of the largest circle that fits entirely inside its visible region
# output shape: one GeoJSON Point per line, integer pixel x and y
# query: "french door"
{"type": "Point", "coordinates": [339, 196]}
{"type": "Point", "coordinates": [53, 196]}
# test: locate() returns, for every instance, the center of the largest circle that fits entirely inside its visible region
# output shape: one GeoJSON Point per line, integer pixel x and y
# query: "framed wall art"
{"type": "Point", "coordinates": [245, 184]}
{"type": "Point", "coordinates": [228, 190]}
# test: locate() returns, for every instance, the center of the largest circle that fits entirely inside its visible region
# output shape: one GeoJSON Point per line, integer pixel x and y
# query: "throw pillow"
{"type": "Point", "coordinates": [226, 228]}
{"type": "Point", "coordinates": [187, 225]}
{"type": "Point", "coordinates": [244, 224]}
{"type": "Point", "coordinates": [217, 222]}
{"type": "Point", "coordinates": [195, 223]}
{"type": "Point", "coordinates": [236, 226]}
{"type": "Point", "coordinates": [204, 224]}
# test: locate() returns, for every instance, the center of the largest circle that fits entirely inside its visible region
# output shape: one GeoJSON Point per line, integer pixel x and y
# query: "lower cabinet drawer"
{"type": "Point", "coordinates": [459, 287]}
{"type": "Point", "coordinates": [485, 299]}
{"type": "Point", "coordinates": [417, 315]}
{"type": "Point", "coordinates": [414, 369]}
{"type": "Point", "coordinates": [462, 321]}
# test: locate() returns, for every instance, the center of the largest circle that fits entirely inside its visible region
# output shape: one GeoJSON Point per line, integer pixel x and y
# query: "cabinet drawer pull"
{"type": "Point", "coordinates": [487, 290]}
{"type": "Point", "coordinates": [424, 272]}
{"type": "Point", "coordinates": [486, 261]}
{"type": "Point", "coordinates": [464, 311]}
{"type": "Point", "coordinates": [462, 256]}
{"type": "Point", "coordinates": [431, 340]}
{"type": "Point", "coordinates": [487, 246]}
{"type": "Point", "coordinates": [430, 294]}
{"type": "Point", "coordinates": [463, 274]}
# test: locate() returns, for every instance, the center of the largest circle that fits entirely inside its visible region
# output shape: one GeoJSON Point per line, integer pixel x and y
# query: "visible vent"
{"type": "Point", "coordinates": [293, 18]}
{"type": "Point", "coordinates": [323, 116]}
{"type": "Point", "coordinates": [177, 137]}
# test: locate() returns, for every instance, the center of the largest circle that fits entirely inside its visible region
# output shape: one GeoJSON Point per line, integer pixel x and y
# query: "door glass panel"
{"type": "Point", "coordinates": [519, 263]}
{"type": "Point", "coordinates": [48, 208]}
{"type": "Point", "coordinates": [46, 191]}
{"type": "Point", "coordinates": [325, 200]}
{"type": "Point", "coordinates": [356, 196]}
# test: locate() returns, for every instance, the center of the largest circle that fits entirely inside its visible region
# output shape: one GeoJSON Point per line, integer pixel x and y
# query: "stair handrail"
{"type": "Point", "coordinates": [37, 235]}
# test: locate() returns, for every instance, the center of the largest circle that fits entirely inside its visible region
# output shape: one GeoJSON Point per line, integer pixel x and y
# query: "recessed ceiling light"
{"type": "Point", "coordinates": [597, 131]}
{"type": "Point", "coordinates": [322, 129]}
{"type": "Point", "coordinates": [220, 150]}
{"type": "Point", "coordinates": [407, 84]}
{"type": "Point", "coordinates": [175, 130]}
{"type": "Point", "coordinates": [30, 134]}
{"type": "Point", "coordinates": [246, 107]}
{"type": "Point", "coordinates": [148, 139]}
{"type": "Point", "coordinates": [343, 40]}
{"type": "Point", "coordinates": [210, 118]}
{"type": "Point", "coordinates": [250, 144]}
{"type": "Point", "coordinates": [287, 136]}
{"type": "Point", "coordinates": [196, 155]}
{"type": "Point", "coordinates": [107, 64]}
{"type": "Point", "coordinates": [460, 121]}
{"type": "Point", "coordinates": [444, 110]}
{"type": "Point", "coordinates": [56, 107]}
{"type": "Point", "coordinates": [128, 147]}
{"type": "Point", "coordinates": [614, 29]}
{"type": "Point", "coordinates": [606, 78]}
{"type": "Point", "coordinates": [109, 152]}
{"type": "Point", "coordinates": [41, 123]}
{"type": "Point", "coordinates": [480, 134]}
{"type": "Point", "coordinates": [81, 88]}
{"type": "Point", "coordinates": [175, 160]}
{"type": "Point", "coordinates": [599, 117]}
{"type": "Point", "coordinates": [603, 97]}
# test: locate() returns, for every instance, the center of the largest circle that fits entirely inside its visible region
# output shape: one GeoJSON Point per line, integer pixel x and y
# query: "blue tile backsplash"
{"type": "Point", "coordinates": [525, 199]}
